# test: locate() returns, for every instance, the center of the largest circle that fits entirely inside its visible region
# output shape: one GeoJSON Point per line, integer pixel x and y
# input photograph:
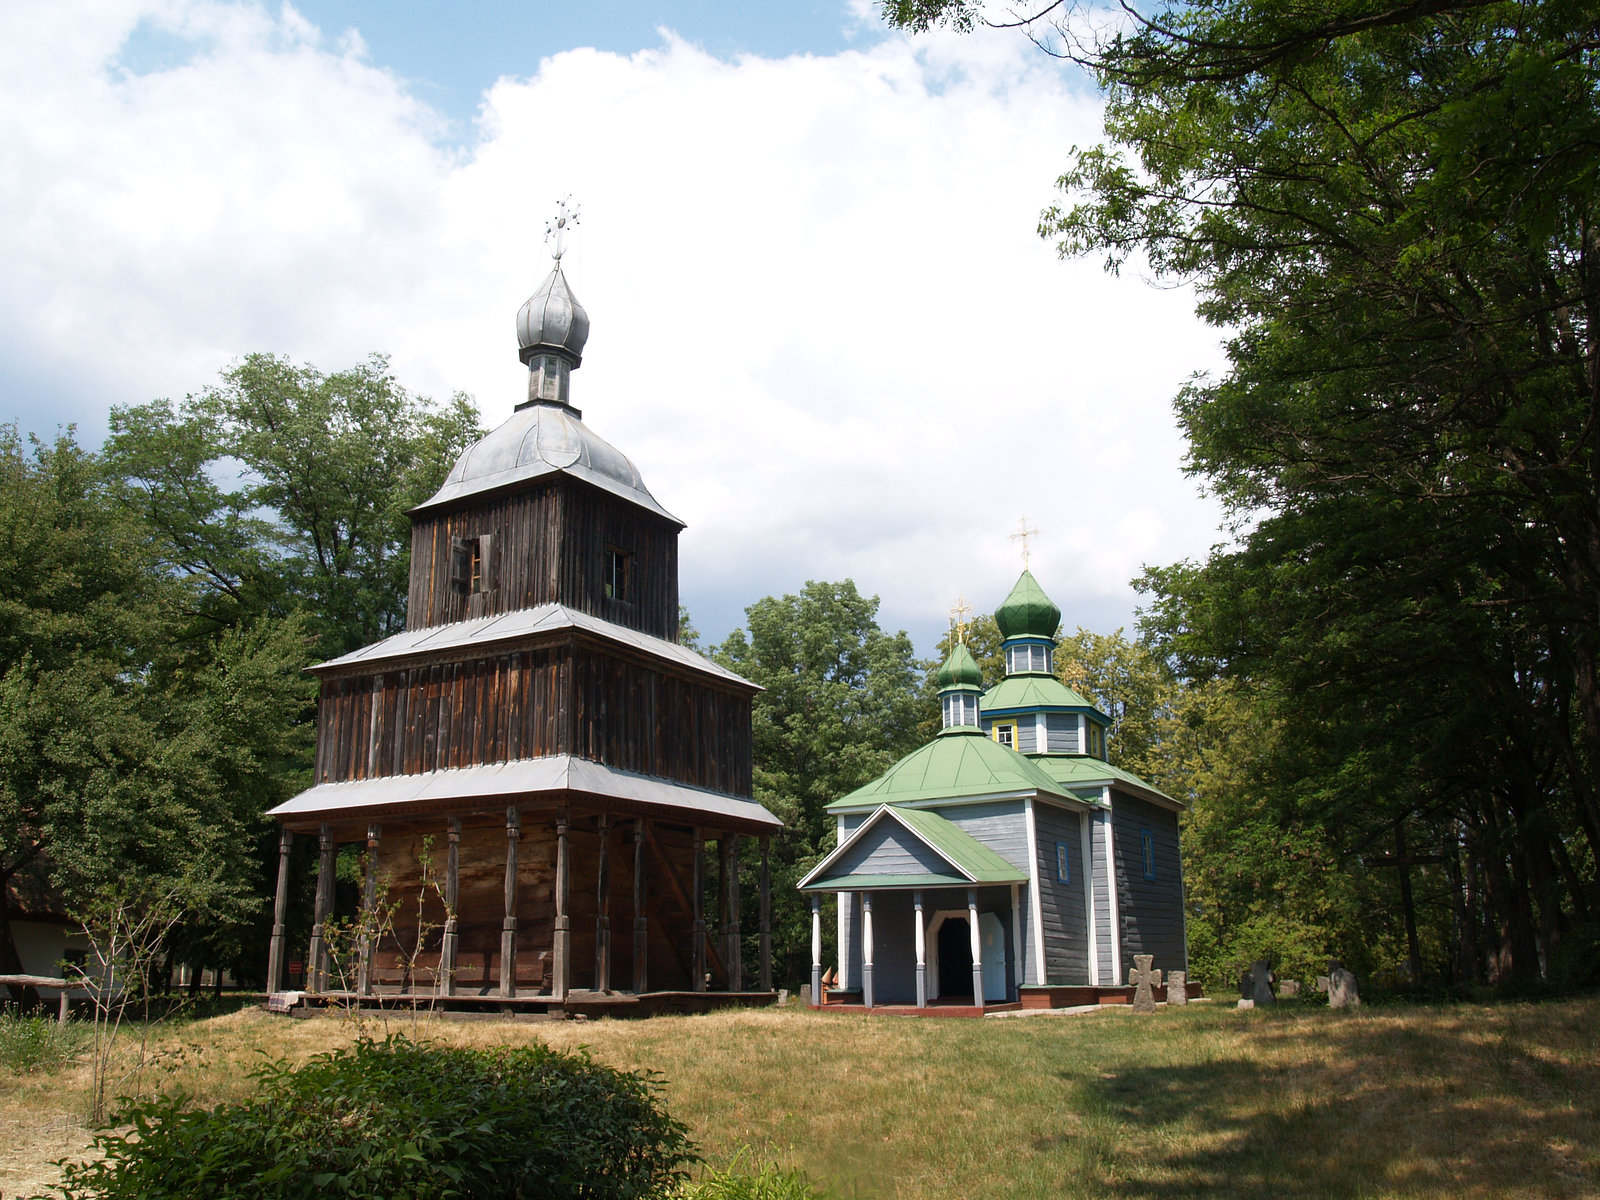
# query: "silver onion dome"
{"type": "Point", "coordinates": [552, 321]}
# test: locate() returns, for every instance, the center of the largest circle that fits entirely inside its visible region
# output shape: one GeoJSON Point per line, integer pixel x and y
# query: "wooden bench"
{"type": "Point", "coordinates": [39, 981]}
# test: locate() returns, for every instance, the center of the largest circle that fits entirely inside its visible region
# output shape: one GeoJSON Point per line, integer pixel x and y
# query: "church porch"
{"type": "Point", "coordinates": [537, 905]}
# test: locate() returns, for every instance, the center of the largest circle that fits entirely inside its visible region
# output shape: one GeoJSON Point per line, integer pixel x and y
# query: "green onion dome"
{"type": "Point", "coordinates": [1027, 611]}
{"type": "Point", "coordinates": [960, 670]}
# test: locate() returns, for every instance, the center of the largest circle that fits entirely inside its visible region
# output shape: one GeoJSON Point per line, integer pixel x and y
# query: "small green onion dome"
{"type": "Point", "coordinates": [1027, 611]}
{"type": "Point", "coordinates": [960, 670]}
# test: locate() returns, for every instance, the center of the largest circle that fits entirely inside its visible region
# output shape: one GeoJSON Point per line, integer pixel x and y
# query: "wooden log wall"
{"type": "Point", "coordinates": [568, 698]}
{"type": "Point", "coordinates": [548, 543]}
{"type": "Point", "coordinates": [481, 905]}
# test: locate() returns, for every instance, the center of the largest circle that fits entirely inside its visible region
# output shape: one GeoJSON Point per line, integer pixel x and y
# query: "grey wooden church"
{"type": "Point", "coordinates": [1006, 861]}
{"type": "Point", "coordinates": [536, 736]}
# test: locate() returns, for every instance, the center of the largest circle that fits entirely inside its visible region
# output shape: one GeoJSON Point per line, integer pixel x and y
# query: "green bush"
{"type": "Point", "coordinates": [1575, 966]}
{"type": "Point", "coordinates": [769, 1182]}
{"type": "Point", "coordinates": [399, 1119]}
{"type": "Point", "coordinates": [37, 1043]}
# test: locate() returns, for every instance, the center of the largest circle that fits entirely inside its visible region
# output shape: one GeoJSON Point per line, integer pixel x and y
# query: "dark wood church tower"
{"type": "Point", "coordinates": [536, 734]}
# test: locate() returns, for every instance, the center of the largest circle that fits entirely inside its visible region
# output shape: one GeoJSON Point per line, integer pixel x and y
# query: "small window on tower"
{"type": "Point", "coordinates": [470, 566]}
{"type": "Point", "coordinates": [616, 573]}
{"type": "Point", "coordinates": [1006, 735]}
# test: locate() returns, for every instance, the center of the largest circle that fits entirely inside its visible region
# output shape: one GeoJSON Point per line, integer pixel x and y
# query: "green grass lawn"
{"type": "Point", "coordinates": [1469, 1100]}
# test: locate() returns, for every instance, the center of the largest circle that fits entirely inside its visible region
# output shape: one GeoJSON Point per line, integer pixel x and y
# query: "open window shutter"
{"type": "Point", "coordinates": [485, 562]}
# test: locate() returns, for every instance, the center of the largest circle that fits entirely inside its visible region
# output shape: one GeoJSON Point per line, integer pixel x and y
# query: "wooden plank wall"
{"type": "Point", "coordinates": [1151, 909]}
{"type": "Point", "coordinates": [548, 545]}
{"type": "Point", "coordinates": [530, 703]}
{"type": "Point", "coordinates": [481, 906]}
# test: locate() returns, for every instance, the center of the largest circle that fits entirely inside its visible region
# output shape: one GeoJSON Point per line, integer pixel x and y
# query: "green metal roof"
{"type": "Point", "coordinates": [960, 670]}
{"type": "Point", "coordinates": [949, 767]}
{"type": "Point", "coordinates": [974, 862]}
{"type": "Point", "coordinates": [1034, 691]}
{"type": "Point", "coordinates": [1027, 611]}
{"type": "Point", "coordinates": [1075, 770]}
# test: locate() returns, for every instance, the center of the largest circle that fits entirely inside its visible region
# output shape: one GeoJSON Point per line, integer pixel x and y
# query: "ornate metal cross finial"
{"type": "Point", "coordinates": [556, 228]}
{"type": "Point", "coordinates": [958, 617]}
{"type": "Point", "coordinates": [1024, 533]}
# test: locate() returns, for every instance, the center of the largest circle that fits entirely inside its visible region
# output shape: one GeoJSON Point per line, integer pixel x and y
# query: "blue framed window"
{"type": "Point", "coordinates": [1147, 843]}
{"type": "Point", "coordinates": [1063, 863]}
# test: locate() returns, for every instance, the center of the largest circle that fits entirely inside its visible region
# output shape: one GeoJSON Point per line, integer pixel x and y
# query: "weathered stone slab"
{"type": "Point", "coordinates": [1247, 1004]}
{"type": "Point", "coordinates": [783, 997]}
{"type": "Point", "coordinates": [1289, 989]}
{"type": "Point", "coordinates": [1177, 987]}
{"type": "Point", "coordinates": [1343, 990]}
{"type": "Point", "coordinates": [805, 994]}
{"type": "Point", "coordinates": [1261, 980]}
{"type": "Point", "coordinates": [1144, 980]}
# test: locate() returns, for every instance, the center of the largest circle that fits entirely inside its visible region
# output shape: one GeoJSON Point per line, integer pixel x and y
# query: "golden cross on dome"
{"type": "Point", "coordinates": [958, 617]}
{"type": "Point", "coordinates": [556, 228]}
{"type": "Point", "coordinates": [1024, 533]}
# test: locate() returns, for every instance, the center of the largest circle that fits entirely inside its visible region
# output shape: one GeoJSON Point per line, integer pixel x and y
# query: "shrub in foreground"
{"type": "Point", "coordinates": [397, 1119]}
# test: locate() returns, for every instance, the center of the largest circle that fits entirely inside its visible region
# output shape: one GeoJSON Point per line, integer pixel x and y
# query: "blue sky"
{"type": "Point", "coordinates": [451, 52]}
{"type": "Point", "coordinates": [824, 326]}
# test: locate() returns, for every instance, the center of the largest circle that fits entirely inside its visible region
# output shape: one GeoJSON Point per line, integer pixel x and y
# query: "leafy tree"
{"type": "Point", "coordinates": [122, 759]}
{"type": "Point", "coordinates": [330, 465]}
{"type": "Point", "coordinates": [842, 703]}
{"type": "Point", "coordinates": [1392, 210]}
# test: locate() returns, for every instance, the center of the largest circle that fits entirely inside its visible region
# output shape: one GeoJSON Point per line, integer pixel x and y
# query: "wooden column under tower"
{"type": "Point", "coordinates": [641, 923]}
{"type": "Point", "coordinates": [561, 952]}
{"type": "Point", "coordinates": [602, 920]}
{"type": "Point", "coordinates": [508, 928]}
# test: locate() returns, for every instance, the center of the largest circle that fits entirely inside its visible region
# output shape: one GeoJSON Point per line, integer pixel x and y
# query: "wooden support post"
{"type": "Point", "coordinates": [735, 959]}
{"type": "Point", "coordinates": [369, 913]}
{"type": "Point", "coordinates": [280, 914]}
{"type": "Point", "coordinates": [816, 949]}
{"type": "Point", "coordinates": [317, 959]}
{"type": "Point", "coordinates": [602, 920]}
{"type": "Point", "coordinates": [922, 950]}
{"type": "Point", "coordinates": [977, 947]}
{"type": "Point", "coordinates": [641, 925]}
{"type": "Point", "coordinates": [1016, 940]}
{"type": "Point", "coordinates": [697, 896]}
{"type": "Point", "coordinates": [720, 916]}
{"type": "Point", "coordinates": [450, 945]}
{"type": "Point", "coordinates": [866, 948]}
{"type": "Point", "coordinates": [766, 918]}
{"type": "Point", "coordinates": [561, 952]}
{"type": "Point", "coordinates": [508, 927]}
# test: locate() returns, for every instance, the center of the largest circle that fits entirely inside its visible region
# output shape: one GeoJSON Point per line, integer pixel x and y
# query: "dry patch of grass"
{"type": "Point", "coordinates": [1470, 1101]}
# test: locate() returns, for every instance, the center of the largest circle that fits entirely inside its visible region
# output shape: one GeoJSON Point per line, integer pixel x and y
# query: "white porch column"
{"type": "Point", "coordinates": [866, 948]}
{"type": "Point", "coordinates": [816, 948]}
{"type": "Point", "coordinates": [922, 951]}
{"type": "Point", "coordinates": [977, 947]}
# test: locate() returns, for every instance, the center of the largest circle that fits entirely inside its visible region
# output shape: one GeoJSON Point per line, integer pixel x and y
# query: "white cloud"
{"type": "Point", "coordinates": [823, 325]}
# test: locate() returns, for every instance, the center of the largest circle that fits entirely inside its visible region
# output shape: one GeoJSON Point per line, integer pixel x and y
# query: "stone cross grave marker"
{"type": "Point", "coordinates": [1143, 980]}
{"type": "Point", "coordinates": [1177, 987]}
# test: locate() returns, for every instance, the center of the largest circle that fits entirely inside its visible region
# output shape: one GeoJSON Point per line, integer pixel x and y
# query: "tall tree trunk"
{"type": "Point", "coordinates": [1408, 907]}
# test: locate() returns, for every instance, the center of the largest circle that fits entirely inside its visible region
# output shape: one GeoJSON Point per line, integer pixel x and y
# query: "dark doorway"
{"type": "Point", "coordinates": [955, 959]}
